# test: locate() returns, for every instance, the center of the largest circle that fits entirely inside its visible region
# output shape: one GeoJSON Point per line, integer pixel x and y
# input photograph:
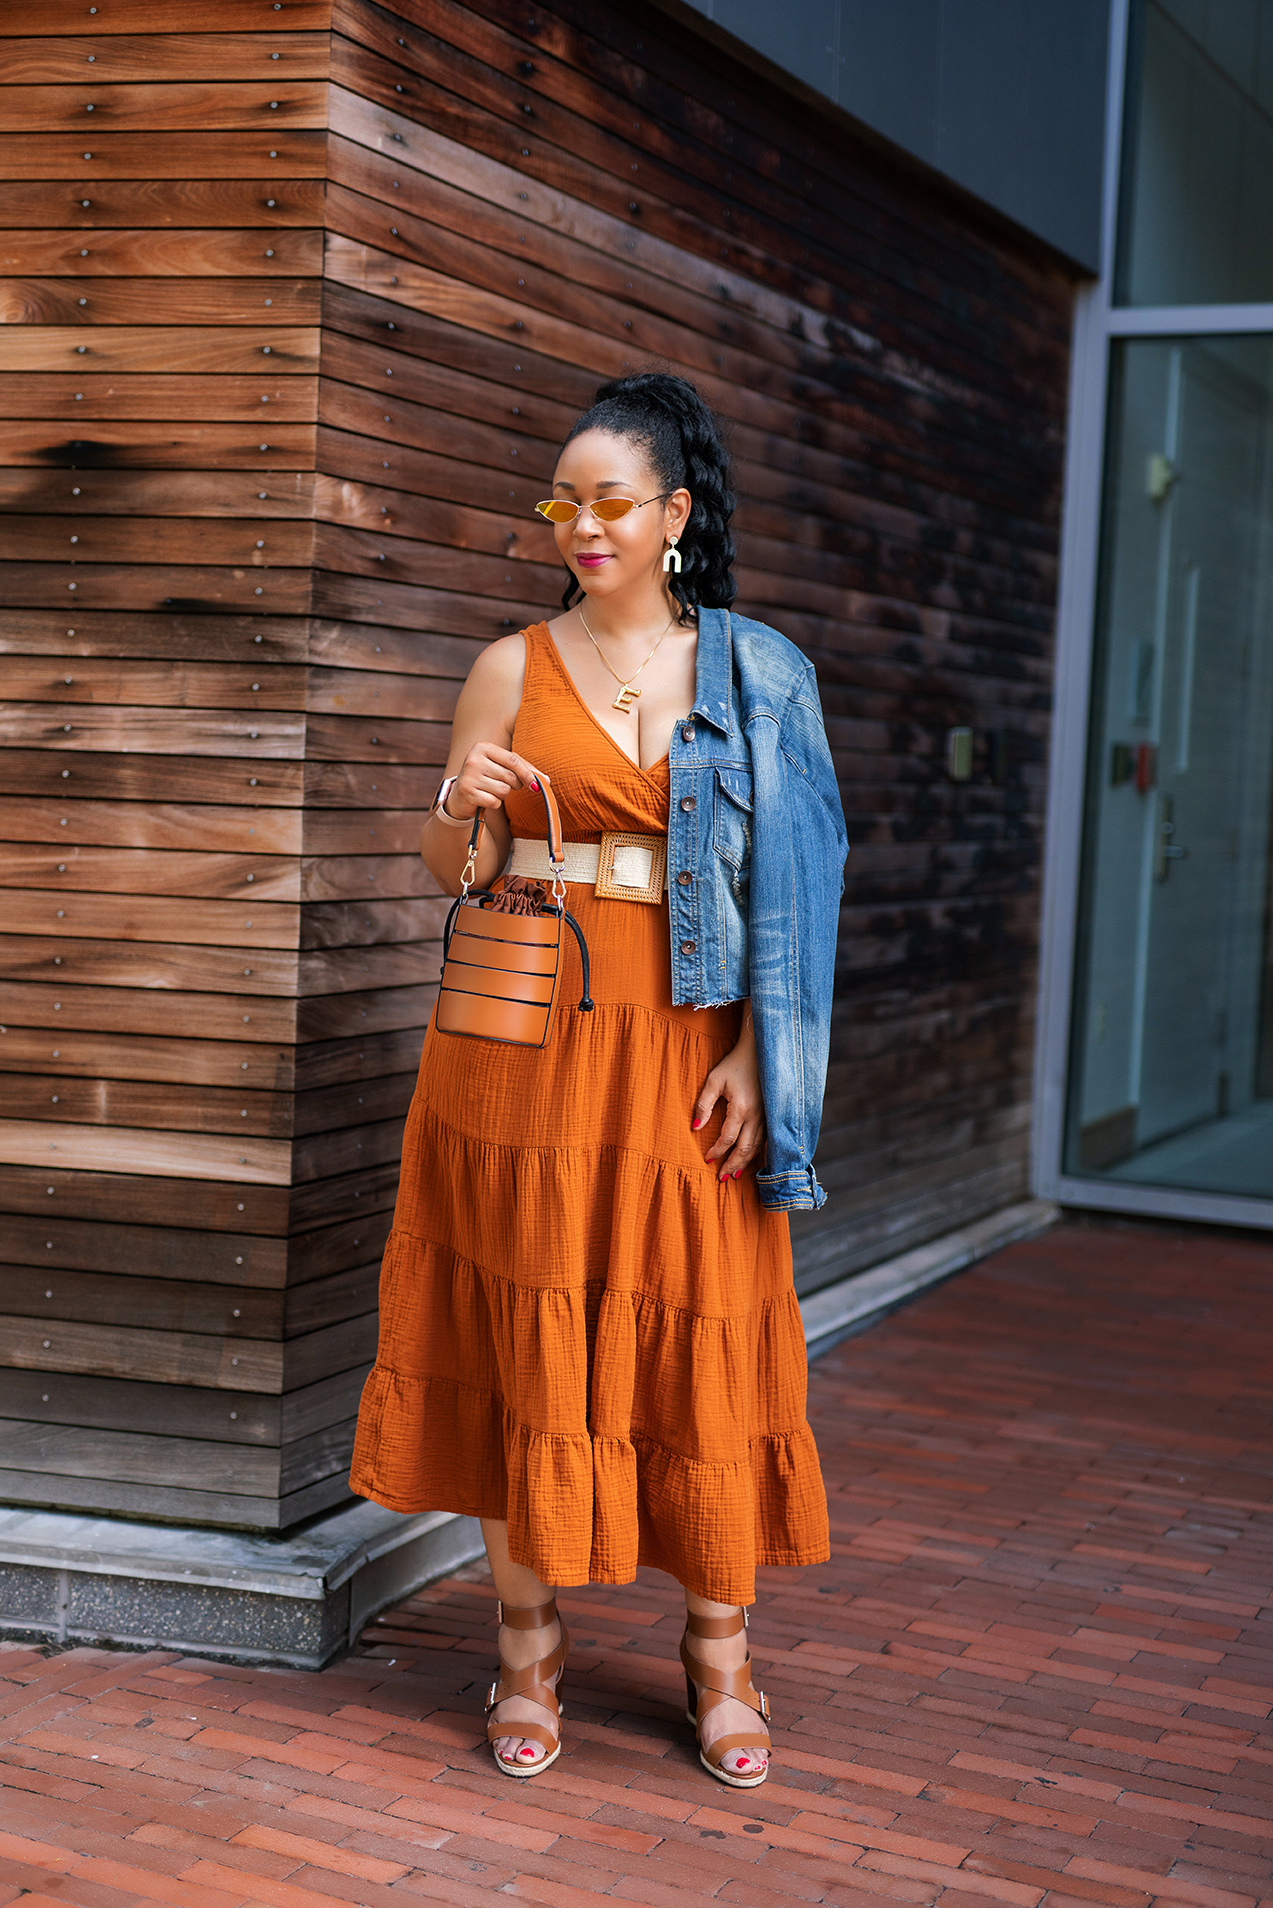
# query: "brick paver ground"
{"type": "Point", "coordinates": [1039, 1667]}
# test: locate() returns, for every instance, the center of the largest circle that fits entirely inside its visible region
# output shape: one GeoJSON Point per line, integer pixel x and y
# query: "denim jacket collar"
{"type": "Point", "coordinates": [714, 670]}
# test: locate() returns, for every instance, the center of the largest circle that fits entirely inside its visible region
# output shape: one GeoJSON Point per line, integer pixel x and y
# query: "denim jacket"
{"type": "Point", "coordinates": [756, 852]}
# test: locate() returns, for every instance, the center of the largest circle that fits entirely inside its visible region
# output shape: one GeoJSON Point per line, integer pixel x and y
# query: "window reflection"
{"type": "Point", "coordinates": [1196, 224]}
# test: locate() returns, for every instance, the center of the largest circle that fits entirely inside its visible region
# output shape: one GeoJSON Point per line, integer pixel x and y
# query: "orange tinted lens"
{"type": "Point", "coordinates": [557, 510]}
{"type": "Point", "coordinates": [610, 509]}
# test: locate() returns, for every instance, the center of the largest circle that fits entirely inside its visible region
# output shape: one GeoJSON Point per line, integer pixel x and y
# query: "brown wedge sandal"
{"type": "Point", "coordinates": [531, 1682]}
{"type": "Point", "coordinates": [714, 1685]}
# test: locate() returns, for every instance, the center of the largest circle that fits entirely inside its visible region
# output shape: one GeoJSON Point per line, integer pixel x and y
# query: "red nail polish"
{"type": "Point", "coordinates": [739, 1173]}
{"type": "Point", "coordinates": [535, 785]}
{"type": "Point", "coordinates": [697, 1124]}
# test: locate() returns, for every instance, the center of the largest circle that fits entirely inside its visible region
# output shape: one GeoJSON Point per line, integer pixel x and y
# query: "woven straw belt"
{"type": "Point", "coordinates": [619, 867]}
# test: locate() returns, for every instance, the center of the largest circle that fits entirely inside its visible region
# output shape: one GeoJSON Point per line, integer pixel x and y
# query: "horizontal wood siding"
{"type": "Point", "coordinates": [185, 1317]}
{"type": "Point", "coordinates": [375, 279]}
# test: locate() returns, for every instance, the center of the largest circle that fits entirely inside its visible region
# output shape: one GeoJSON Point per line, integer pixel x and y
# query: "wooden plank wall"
{"type": "Point", "coordinates": [181, 977]}
{"type": "Point", "coordinates": [229, 708]}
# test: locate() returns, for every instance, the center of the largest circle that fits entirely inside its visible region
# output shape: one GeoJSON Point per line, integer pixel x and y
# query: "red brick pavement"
{"type": "Point", "coordinates": [1039, 1667]}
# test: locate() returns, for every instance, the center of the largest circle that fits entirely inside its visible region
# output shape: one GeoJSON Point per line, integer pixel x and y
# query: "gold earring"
{"type": "Point", "coordinates": [672, 557]}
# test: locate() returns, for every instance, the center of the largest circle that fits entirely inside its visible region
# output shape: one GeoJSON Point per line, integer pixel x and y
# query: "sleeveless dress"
{"type": "Point", "coordinates": [581, 1329]}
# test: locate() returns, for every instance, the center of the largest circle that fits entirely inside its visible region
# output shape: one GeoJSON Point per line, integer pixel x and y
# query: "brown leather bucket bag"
{"type": "Point", "coordinates": [501, 949]}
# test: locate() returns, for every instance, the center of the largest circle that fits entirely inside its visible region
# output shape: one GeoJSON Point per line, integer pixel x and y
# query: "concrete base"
{"type": "Point", "coordinates": [302, 1599]}
{"type": "Point", "coordinates": [297, 1600]}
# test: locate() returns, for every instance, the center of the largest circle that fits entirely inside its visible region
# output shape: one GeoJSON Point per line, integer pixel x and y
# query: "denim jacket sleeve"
{"type": "Point", "coordinates": [797, 878]}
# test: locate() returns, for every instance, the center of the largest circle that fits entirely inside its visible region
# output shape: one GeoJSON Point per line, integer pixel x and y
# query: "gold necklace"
{"type": "Point", "coordinates": [626, 692]}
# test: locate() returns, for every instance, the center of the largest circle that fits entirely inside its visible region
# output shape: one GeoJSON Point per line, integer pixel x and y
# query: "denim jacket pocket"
{"type": "Point", "coordinates": [732, 819]}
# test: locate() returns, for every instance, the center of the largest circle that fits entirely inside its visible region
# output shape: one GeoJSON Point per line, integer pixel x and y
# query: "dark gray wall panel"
{"type": "Point", "coordinates": [1022, 112]}
{"type": "Point", "coordinates": [800, 37]}
{"type": "Point", "coordinates": [889, 71]}
{"type": "Point", "coordinates": [1008, 100]}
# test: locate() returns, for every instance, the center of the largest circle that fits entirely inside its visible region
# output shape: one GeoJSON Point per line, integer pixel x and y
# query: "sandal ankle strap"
{"type": "Point", "coordinates": [718, 1627]}
{"type": "Point", "coordinates": [533, 1617]}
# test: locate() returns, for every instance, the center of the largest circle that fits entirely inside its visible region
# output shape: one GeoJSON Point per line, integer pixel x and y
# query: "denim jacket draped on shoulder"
{"type": "Point", "coordinates": [756, 853]}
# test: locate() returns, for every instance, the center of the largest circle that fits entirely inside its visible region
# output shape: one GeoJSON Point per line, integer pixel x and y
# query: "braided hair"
{"type": "Point", "coordinates": [668, 418]}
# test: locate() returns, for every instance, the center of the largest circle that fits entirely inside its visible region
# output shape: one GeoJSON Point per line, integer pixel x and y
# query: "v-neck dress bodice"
{"type": "Point", "coordinates": [581, 1329]}
{"type": "Point", "coordinates": [557, 665]}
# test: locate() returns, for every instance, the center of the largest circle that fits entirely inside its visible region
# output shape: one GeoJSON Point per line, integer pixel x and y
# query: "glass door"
{"type": "Point", "coordinates": [1156, 1046]}
{"type": "Point", "coordinates": [1170, 1082]}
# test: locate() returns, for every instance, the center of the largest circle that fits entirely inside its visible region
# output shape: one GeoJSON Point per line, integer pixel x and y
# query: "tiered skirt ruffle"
{"type": "Point", "coordinates": [582, 1330]}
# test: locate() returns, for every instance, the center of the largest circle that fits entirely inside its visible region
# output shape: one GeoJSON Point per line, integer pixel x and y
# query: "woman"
{"type": "Point", "coordinates": [589, 1337]}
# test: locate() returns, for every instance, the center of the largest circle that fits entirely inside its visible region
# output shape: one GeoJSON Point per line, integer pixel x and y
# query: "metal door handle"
{"type": "Point", "coordinates": [1164, 850]}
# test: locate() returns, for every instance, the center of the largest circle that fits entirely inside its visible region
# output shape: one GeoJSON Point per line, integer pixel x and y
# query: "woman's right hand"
{"type": "Point", "coordinates": [488, 774]}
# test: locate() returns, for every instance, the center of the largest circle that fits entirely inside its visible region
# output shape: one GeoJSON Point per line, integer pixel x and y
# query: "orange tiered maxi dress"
{"type": "Point", "coordinates": [581, 1329]}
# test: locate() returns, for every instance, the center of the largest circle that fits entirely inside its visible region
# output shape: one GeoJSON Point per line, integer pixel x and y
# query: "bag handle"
{"type": "Point", "coordinates": [556, 851]}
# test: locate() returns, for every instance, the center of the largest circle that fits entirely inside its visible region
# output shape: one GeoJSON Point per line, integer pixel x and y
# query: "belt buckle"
{"type": "Point", "coordinates": [622, 870]}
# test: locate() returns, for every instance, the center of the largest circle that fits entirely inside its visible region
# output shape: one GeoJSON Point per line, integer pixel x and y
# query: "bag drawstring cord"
{"type": "Point", "coordinates": [586, 1004]}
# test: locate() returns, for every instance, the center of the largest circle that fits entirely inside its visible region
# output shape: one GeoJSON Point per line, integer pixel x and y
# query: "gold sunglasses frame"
{"type": "Point", "coordinates": [556, 502]}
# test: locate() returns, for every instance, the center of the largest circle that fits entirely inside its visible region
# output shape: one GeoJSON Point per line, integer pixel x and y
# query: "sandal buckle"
{"type": "Point", "coordinates": [490, 1694]}
{"type": "Point", "coordinates": [764, 1705]}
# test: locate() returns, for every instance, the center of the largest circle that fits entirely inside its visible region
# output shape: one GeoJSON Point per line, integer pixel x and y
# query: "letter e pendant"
{"type": "Point", "coordinates": [623, 698]}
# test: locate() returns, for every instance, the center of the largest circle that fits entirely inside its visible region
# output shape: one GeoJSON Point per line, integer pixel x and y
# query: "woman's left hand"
{"type": "Point", "coordinates": [736, 1080]}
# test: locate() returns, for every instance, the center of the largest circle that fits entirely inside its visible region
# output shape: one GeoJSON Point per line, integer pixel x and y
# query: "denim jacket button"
{"type": "Point", "coordinates": [685, 877]}
{"type": "Point", "coordinates": [687, 947]}
{"type": "Point", "coordinates": [688, 802]}
{"type": "Point", "coordinates": [687, 734]}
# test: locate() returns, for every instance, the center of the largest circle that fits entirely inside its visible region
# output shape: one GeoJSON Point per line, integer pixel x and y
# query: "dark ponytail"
{"type": "Point", "coordinates": [667, 417]}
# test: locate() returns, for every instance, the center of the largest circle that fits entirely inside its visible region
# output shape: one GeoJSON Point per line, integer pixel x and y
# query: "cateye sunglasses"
{"type": "Point", "coordinates": [605, 509]}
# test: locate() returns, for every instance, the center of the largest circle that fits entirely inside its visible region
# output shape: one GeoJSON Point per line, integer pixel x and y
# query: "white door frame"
{"type": "Point", "coordinates": [1096, 323]}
